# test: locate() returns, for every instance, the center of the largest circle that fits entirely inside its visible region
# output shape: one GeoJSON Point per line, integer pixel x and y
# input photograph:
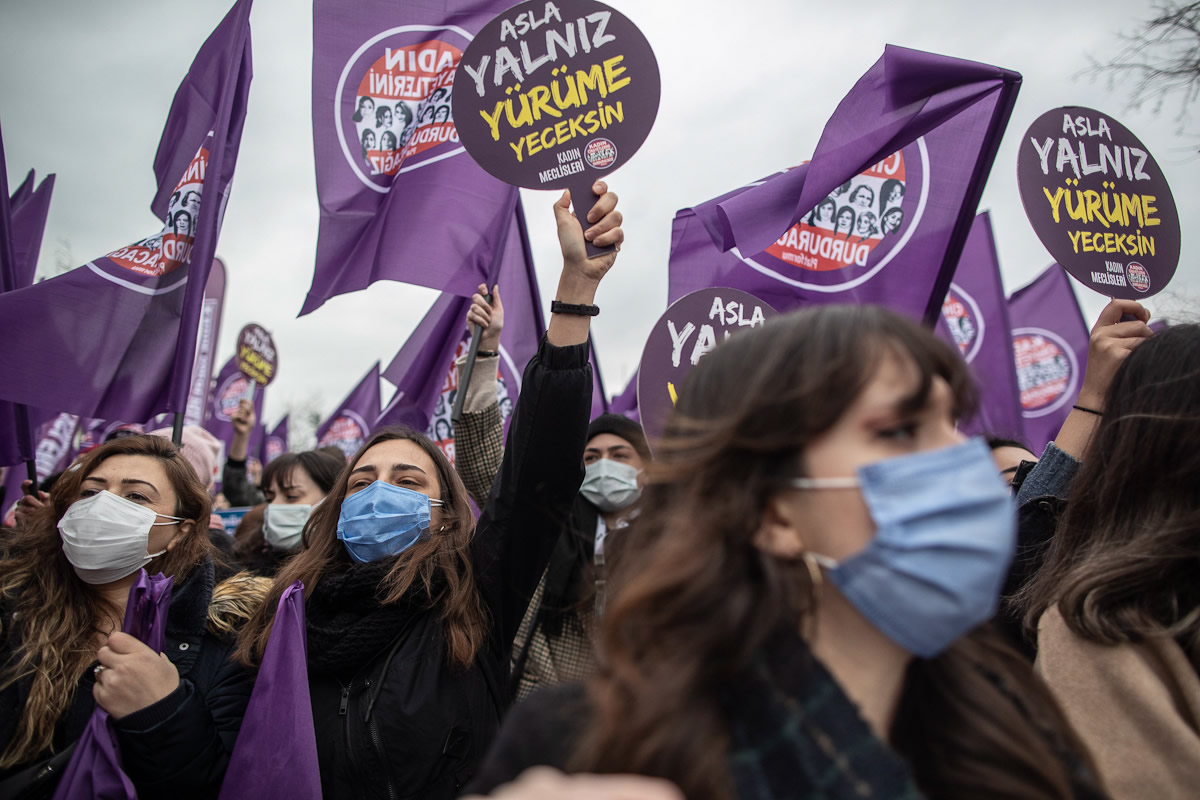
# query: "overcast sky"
{"type": "Point", "coordinates": [746, 88]}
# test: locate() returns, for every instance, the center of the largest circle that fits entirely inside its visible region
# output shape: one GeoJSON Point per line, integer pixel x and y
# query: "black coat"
{"type": "Point", "coordinates": [178, 747]}
{"type": "Point", "coordinates": [398, 721]}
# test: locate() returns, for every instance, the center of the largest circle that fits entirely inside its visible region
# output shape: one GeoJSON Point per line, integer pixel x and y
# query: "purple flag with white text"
{"type": "Point", "coordinates": [54, 448]}
{"type": "Point", "coordinates": [116, 337]}
{"type": "Point", "coordinates": [975, 320]}
{"type": "Point", "coordinates": [880, 213]}
{"type": "Point", "coordinates": [206, 346]}
{"type": "Point", "coordinates": [423, 370]}
{"type": "Point", "coordinates": [353, 420]}
{"type": "Point", "coordinates": [400, 198]}
{"type": "Point", "coordinates": [275, 443]}
{"type": "Point", "coordinates": [1050, 344]}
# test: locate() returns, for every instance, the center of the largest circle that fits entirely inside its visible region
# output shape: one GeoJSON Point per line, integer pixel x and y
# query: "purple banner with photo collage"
{"type": "Point", "coordinates": [881, 212]}
{"type": "Point", "coordinates": [400, 197]}
{"type": "Point", "coordinates": [106, 339]}
{"type": "Point", "coordinates": [55, 446]}
{"type": "Point", "coordinates": [350, 425]}
{"type": "Point", "coordinates": [1050, 344]}
{"type": "Point", "coordinates": [975, 320]}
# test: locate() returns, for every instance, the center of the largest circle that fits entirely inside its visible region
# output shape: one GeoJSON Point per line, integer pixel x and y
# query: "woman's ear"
{"type": "Point", "coordinates": [185, 529]}
{"type": "Point", "coordinates": [778, 533]}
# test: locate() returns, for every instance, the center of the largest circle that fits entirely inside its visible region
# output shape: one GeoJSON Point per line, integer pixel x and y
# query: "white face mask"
{"type": "Point", "coordinates": [610, 485]}
{"type": "Point", "coordinates": [283, 524]}
{"type": "Point", "coordinates": [105, 537]}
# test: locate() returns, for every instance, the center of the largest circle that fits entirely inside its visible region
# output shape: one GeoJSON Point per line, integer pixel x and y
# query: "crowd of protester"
{"type": "Point", "coordinates": [814, 586]}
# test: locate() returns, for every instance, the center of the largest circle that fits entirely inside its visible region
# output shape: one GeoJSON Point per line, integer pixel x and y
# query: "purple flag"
{"type": "Point", "coordinates": [626, 402]}
{"type": "Point", "coordinates": [55, 446]}
{"type": "Point", "coordinates": [881, 212]}
{"type": "Point", "coordinates": [423, 370]}
{"type": "Point", "coordinates": [22, 222]}
{"type": "Point", "coordinates": [599, 398]}
{"type": "Point", "coordinates": [230, 387]}
{"type": "Point", "coordinates": [400, 198]}
{"type": "Point", "coordinates": [116, 337]}
{"type": "Point", "coordinates": [350, 425]}
{"type": "Point", "coordinates": [95, 767]}
{"type": "Point", "coordinates": [975, 319]}
{"type": "Point", "coordinates": [1050, 344]}
{"type": "Point", "coordinates": [206, 346]}
{"type": "Point", "coordinates": [275, 443]}
{"type": "Point", "coordinates": [276, 750]}
{"type": "Point", "coordinates": [30, 208]}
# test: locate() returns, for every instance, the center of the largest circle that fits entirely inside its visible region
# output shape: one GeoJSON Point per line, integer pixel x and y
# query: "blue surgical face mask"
{"type": "Point", "coordinates": [945, 535]}
{"type": "Point", "coordinates": [383, 520]}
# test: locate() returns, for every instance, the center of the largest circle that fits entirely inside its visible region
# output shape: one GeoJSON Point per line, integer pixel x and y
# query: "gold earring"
{"type": "Point", "coordinates": [814, 572]}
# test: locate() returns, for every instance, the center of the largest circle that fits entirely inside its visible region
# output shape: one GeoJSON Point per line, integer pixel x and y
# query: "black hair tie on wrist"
{"type": "Point", "coordinates": [486, 353]}
{"type": "Point", "coordinates": [1089, 410]}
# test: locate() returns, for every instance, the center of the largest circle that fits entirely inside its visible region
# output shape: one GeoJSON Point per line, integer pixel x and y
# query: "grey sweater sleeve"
{"type": "Point", "coordinates": [1050, 478]}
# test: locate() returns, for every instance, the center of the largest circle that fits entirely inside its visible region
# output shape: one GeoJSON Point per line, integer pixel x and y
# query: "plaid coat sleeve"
{"type": "Point", "coordinates": [478, 450]}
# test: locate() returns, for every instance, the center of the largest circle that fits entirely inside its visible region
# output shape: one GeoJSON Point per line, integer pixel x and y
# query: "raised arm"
{"type": "Point", "coordinates": [543, 458]}
{"type": "Point", "coordinates": [479, 435]}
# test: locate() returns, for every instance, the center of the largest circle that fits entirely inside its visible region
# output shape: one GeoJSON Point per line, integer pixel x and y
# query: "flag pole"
{"type": "Point", "coordinates": [177, 430]}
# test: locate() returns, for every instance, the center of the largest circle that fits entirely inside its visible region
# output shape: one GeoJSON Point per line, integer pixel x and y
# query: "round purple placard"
{"type": "Point", "coordinates": [550, 95]}
{"type": "Point", "coordinates": [257, 358]}
{"type": "Point", "coordinates": [692, 326]}
{"type": "Point", "coordinates": [1099, 202]}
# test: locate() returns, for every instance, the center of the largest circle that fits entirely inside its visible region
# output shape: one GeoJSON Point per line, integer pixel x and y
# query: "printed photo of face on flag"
{"type": "Point", "coordinates": [398, 84]}
{"type": "Point", "coordinates": [441, 428]}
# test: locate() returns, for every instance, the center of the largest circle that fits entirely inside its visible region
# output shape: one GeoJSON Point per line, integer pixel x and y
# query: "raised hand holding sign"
{"type": "Point", "coordinates": [555, 96]}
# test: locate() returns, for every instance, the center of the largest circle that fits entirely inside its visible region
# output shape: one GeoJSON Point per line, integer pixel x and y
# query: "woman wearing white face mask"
{"type": "Point", "coordinates": [799, 610]}
{"type": "Point", "coordinates": [64, 582]}
{"type": "Point", "coordinates": [294, 485]}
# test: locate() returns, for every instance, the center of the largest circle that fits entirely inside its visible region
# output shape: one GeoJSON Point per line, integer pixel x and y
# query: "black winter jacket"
{"type": "Point", "coordinates": [178, 747]}
{"type": "Point", "coordinates": [399, 722]}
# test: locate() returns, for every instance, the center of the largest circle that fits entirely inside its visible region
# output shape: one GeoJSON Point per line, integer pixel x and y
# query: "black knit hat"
{"type": "Point", "coordinates": [622, 426]}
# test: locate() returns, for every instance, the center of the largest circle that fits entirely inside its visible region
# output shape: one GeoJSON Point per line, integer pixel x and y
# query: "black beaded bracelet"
{"type": "Point", "coordinates": [1089, 410]}
{"type": "Point", "coordinates": [572, 308]}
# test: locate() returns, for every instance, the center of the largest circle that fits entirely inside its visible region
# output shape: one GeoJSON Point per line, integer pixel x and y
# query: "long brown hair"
{"type": "Point", "coordinates": [438, 566]}
{"type": "Point", "coordinates": [694, 599]}
{"type": "Point", "coordinates": [1122, 564]}
{"type": "Point", "coordinates": [54, 615]}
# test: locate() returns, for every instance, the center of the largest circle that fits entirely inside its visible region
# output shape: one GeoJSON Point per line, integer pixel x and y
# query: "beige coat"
{"type": "Point", "coordinates": [1136, 707]}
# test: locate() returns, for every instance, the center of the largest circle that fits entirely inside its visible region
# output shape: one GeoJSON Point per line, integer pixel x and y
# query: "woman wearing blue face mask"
{"type": "Point", "coordinates": [412, 606]}
{"type": "Point", "coordinates": [799, 610]}
{"type": "Point", "coordinates": [64, 583]}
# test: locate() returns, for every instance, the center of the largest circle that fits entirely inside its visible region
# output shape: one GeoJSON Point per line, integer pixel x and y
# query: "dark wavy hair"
{"type": "Point", "coordinates": [1122, 565]}
{"type": "Point", "coordinates": [694, 599]}
{"type": "Point", "coordinates": [437, 569]}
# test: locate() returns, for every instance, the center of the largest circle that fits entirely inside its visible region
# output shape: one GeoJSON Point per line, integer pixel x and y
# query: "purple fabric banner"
{"type": "Point", "coordinates": [1050, 344]}
{"type": "Point", "coordinates": [105, 340]}
{"type": "Point", "coordinates": [626, 402]}
{"type": "Point", "coordinates": [56, 443]}
{"type": "Point", "coordinates": [400, 198]}
{"type": "Point", "coordinates": [599, 398]}
{"type": "Point", "coordinates": [276, 750]}
{"type": "Point", "coordinates": [975, 320]}
{"type": "Point", "coordinates": [206, 345]}
{"type": "Point", "coordinates": [230, 387]}
{"type": "Point", "coordinates": [30, 209]}
{"type": "Point", "coordinates": [350, 425]}
{"type": "Point", "coordinates": [95, 767]}
{"type": "Point", "coordinates": [881, 212]}
{"type": "Point", "coordinates": [275, 443]}
{"type": "Point", "coordinates": [22, 223]}
{"type": "Point", "coordinates": [423, 370]}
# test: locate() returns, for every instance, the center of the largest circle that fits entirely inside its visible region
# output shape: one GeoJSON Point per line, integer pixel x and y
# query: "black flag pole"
{"type": "Point", "coordinates": [177, 431]}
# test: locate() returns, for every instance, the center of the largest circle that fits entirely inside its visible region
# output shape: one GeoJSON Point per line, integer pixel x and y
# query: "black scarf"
{"type": "Point", "coordinates": [348, 623]}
